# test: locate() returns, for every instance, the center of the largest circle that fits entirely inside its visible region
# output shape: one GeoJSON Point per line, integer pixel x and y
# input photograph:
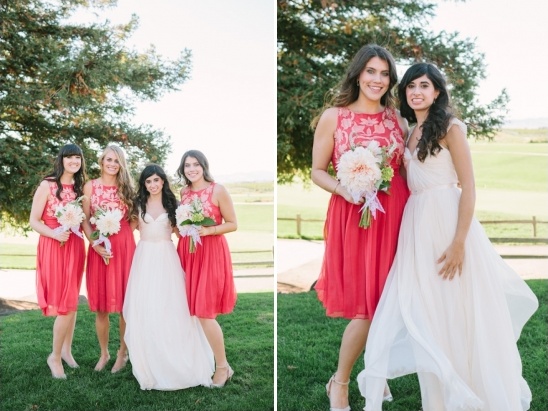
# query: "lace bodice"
{"type": "Point", "coordinates": [204, 195]}
{"type": "Point", "coordinates": [358, 129]}
{"type": "Point", "coordinates": [67, 195]}
{"type": "Point", "coordinates": [106, 197]}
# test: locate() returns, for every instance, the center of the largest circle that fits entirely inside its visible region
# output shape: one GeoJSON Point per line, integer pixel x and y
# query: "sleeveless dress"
{"type": "Point", "coordinates": [357, 260]}
{"type": "Point", "coordinates": [106, 284]}
{"type": "Point", "coordinates": [209, 280]}
{"type": "Point", "coordinates": [459, 335]}
{"type": "Point", "coordinates": [167, 347]}
{"type": "Point", "coordinates": [59, 269]}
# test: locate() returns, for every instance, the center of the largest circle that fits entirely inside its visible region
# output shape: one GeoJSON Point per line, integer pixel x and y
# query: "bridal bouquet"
{"type": "Point", "coordinates": [364, 171]}
{"type": "Point", "coordinates": [189, 217]}
{"type": "Point", "coordinates": [107, 222]}
{"type": "Point", "coordinates": [70, 216]}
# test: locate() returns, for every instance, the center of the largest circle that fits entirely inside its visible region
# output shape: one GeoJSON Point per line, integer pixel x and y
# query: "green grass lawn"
{"type": "Point", "coordinates": [26, 382]}
{"type": "Point", "coordinates": [251, 245]}
{"type": "Point", "coordinates": [511, 175]}
{"type": "Point", "coordinates": [308, 344]}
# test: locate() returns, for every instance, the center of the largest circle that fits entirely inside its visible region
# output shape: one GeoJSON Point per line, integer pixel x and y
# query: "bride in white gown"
{"type": "Point", "coordinates": [167, 347]}
{"type": "Point", "coordinates": [452, 309]}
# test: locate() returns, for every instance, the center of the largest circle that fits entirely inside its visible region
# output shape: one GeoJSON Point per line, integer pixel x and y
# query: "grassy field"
{"type": "Point", "coordinates": [251, 245]}
{"type": "Point", "coordinates": [511, 179]}
{"type": "Point", "coordinates": [307, 353]}
{"type": "Point", "coordinates": [27, 384]}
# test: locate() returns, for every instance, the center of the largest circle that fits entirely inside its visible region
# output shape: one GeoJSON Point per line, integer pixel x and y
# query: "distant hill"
{"type": "Point", "coordinates": [527, 123]}
{"type": "Point", "coordinates": [246, 177]}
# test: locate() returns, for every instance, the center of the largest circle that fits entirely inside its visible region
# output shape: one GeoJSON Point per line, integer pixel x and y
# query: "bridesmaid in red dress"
{"type": "Point", "coordinates": [209, 281]}
{"type": "Point", "coordinates": [357, 260]}
{"type": "Point", "coordinates": [107, 272]}
{"type": "Point", "coordinates": [60, 255]}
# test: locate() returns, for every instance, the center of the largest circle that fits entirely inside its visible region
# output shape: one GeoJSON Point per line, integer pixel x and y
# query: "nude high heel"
{"type": "Point", "coordinates": [328, 390]}
{"type": "Point", "coordinates": [229, 374]}
{"type": "Point", "coordinates": [387, 395]}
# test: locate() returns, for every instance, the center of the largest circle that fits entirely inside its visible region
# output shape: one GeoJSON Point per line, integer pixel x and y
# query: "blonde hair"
{"type": "Point", "coordinates": [124, 181]}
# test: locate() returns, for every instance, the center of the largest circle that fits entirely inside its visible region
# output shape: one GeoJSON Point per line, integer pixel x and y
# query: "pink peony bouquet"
{"type": "Point", "coordinates": [189, 217]}
{"type": "Point", "coordinates": [107, 223]}
{"type": "Point", "coordinates": [364, 171]}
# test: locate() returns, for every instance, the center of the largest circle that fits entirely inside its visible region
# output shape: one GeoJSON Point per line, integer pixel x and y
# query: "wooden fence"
{"type": "Point", "coordinates": [533, 221]}
{"type": "Point", "coordinates": [267, 263]}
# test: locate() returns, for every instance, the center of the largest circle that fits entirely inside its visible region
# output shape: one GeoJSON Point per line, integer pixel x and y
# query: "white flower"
{"type": "Point", "coordinates": [71, 215]}
{"type": "Point", "coordinates": [359, 170]}
{"type": "Point", "coordinates": [109, 222]}
{"type": "Point", "coordinates": [182, 213]}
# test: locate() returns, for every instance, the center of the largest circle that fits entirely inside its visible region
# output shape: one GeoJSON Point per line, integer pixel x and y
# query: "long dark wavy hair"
{"type": "Point", "coordinates": [198, 155]}
{"type": "Point", "coordinates": [80, 176]}
{"type": "Point", "coordinates": [348, 90]}
{"type": "Point", "coordinates": [440, 112]}
{"type": "Point", "coordinates": [168, 198]}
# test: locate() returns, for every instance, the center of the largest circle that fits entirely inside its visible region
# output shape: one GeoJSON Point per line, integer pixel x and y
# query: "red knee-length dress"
{"type": "Point", "coordinates": [59, 269]}
{"type": "Point", "coordinates": [106, 284]}
{"type": "Point", "coordinates": [209, 278]}
{"type": "Point", "coordinates": [357, 260]}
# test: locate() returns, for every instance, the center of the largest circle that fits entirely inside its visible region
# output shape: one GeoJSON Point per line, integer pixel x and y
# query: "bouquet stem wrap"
{"type": "Point", "coordinates": [108, 246]}
{"type": "Point", "coordinates": [191, 230]}
{"type": "Point", "coordinates": [369, 209]}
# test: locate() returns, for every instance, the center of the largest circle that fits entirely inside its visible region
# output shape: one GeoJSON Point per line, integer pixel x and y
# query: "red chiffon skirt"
{"type": "Point", "coordinates": [59, 272]}
{"type": "Point", "coordinates": [356, 260]}
{"type": "Point", "coordinates": [106, 284]}
{"type": "Point", "coordinates": [208, 276]}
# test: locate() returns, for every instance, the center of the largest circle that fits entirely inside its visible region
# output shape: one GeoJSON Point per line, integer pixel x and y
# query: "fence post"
{"type": "Point", "coordinates": [298, 224]}
{"type": "Point", "coordinates": [534, 226]}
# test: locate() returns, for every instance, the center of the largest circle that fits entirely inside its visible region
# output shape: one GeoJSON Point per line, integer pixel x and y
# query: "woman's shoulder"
{"type": "Point", "coordinates": [46, 185]}
{"type": "Point", "coordinates": [89, 184]}
{"type": "Point", "coordinates": [330, 114]}
{"type": "Point", "coordinates": [458, 123]}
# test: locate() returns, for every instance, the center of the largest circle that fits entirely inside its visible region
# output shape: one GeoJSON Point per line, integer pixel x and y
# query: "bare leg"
{"type": "Point", "coordinates": [214, 335]}
{"type": "Point", "coordinates": [121, 356]}
{"type": "Point", "coordinates": [60, 328]}
{"type": "Point", "coordinates": [102, 325]}
{"type": "Point", "coordinates": [66, 351]}
{"type": "Point", "coordinates": [352, 345]}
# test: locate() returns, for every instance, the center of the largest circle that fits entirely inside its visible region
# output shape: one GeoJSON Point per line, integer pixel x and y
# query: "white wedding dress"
{"type": "Point", "coordinates": [459, 335]}
{"type": "Point", "coordinates": [167, 347]}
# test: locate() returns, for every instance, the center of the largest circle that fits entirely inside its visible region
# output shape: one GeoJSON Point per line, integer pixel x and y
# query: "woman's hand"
{"type": "Point", "coordinates": [102, 251]}
{"type": "Point", "coordinates": [205, 231]}
{"type": "Point", "coordinates": [62, 236]}
{"type": "Point", "coordinates": [343, 192]}
{"type": "Point", "coordinates": [452, 260]}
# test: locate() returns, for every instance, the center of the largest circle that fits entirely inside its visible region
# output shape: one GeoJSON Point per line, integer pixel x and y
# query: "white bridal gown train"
{"type": "Point", "coordinates": [459, 335]}
{"type": "Point", "coordinates": [167, 347]}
